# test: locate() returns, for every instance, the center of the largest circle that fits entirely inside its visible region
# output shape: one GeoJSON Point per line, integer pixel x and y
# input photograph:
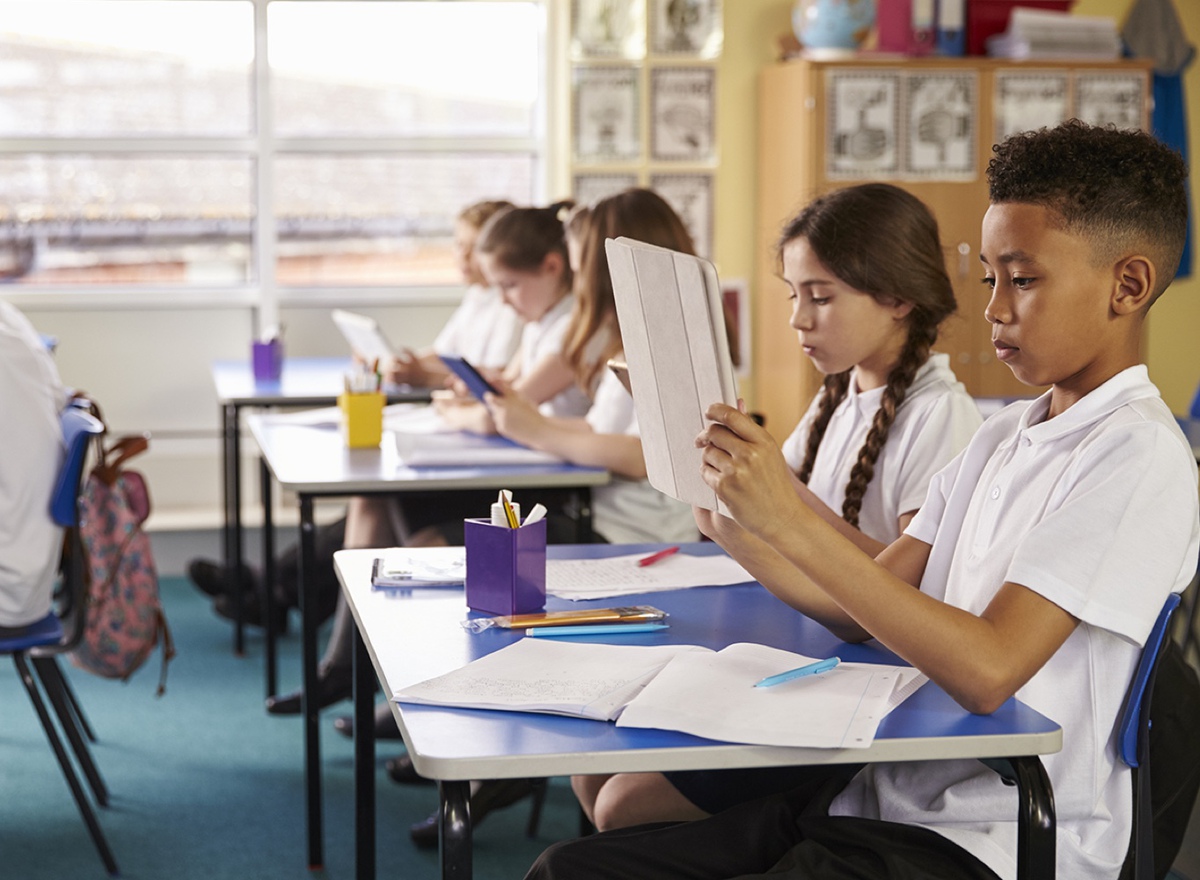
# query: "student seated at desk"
{"type": "Point", "coordinates": [31, 399]}
{"type": "Point", "coordinates": [484, 329]}
{"type": "Point", "coordinates": [1035, 568]}
{"type": "Point", "coordinates": [891, 414]}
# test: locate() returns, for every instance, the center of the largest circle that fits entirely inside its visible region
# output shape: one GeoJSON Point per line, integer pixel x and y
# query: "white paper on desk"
{"type": "Point", "coordinates": [324, 417]}
{"type": "Point", "coordinates": [713, 696]}
{"type": "Point", "coordinates": [622, 576]}
{"type": "Point", "coordinates": [544, 675]}
{"type": "Point", "coordinates": [461, 449]}
{"type": "Point", "coordinates": [673, 329]}
{"type": "Point", "coordinates": [414, 418]}
{"type": "Point", "coordinates": [431, 567]}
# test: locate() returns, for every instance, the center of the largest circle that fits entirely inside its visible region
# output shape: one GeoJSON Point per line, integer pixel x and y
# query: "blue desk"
{"type": "Point", "coordinates": [404, 640]}
{"type": "Point", "coordinates": [304, 382]}
{"type": "Point", "coordinates": [313, 461]}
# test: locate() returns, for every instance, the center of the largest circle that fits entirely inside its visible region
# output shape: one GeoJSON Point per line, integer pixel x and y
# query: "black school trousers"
{"type": "Point", "coordinates": [780, 836]}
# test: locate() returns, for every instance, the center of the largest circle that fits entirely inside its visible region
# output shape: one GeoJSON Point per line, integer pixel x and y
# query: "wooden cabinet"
{"type": "Point", "coordinates": [926, 125]}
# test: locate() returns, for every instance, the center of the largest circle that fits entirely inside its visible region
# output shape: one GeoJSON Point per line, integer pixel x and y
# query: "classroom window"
{"type": "Point", "coordinates": [143, 143]}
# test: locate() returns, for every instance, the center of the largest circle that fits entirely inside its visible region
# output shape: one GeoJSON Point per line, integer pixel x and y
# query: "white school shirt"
{"type": "Point", "coordinates": [31, 397]}
{"type": "Point", "coordinates": [1096, 510]}
{"type": "Point", "coordinates": [629, 511]}
{"type": "Point", "coordinates": [484, 329]}
{"type": "Point", "coordinates": [933, 424]}
{"type": "Point", "coordinates": [543, 338]}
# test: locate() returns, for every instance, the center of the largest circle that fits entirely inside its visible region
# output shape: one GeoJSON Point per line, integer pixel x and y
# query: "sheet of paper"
{"type": "Point", "coordinates": [460, 449]}
{"type": "Point", "coordinates": [543, 675]}
{"type": "Point", "coordinates": [433, 566]}
{"type": "Point", "coordinates": [622, 576]}
{"type": "Point", "coordinates": [713, 696]}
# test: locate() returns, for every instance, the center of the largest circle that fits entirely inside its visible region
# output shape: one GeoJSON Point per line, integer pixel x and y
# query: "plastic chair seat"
{"type": "Point", "coordinates": [45, 632]}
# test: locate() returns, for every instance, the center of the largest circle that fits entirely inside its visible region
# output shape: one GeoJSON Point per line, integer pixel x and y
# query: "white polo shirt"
{"type": "Point", "coordinates": [543, 338]}
{"type": "Point", "coordinates": [31, 397]}
{"type": "Point", "coordinates": [630, 511]}
{"type": "Point", "coordinates": [1096, 510]}
{"type": "Point", "coordinates": [932, 425]}
{"type": "Point", "coordinates": [484, 329]}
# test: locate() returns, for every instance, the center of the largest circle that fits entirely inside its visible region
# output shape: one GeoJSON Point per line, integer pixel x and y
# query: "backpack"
{"type": "Point", "coordinates": [125, 619]}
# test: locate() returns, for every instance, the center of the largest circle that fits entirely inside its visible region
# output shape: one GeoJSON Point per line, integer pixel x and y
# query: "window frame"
{"type": "Point", "coordinates": [262, 146]}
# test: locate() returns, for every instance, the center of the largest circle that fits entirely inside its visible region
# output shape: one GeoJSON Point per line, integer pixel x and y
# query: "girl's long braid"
{"type": "Point", "coordinates": [916, 349]}
{"type": "Point", "coordinates": [836, 386]}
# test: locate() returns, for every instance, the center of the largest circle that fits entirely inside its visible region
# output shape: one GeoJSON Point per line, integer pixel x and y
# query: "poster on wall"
{"type": "Point", "coordinates": [686, 27]}
{"type": "Point", "coordinates": [608, 29]}
{"type": "Point", "coordinates": [1110, 98]}
{"type": "Point", "coordinates": [691, 195]}
{"type": "Point", "coordinates": [682, 109]}
{"type": "Point", "coordinates": [863, 124]}
{"type": "Point", "coordinates": [606, 123]}
{"type": "Point", "coordinates": [941, 130]}
{"type": "Point", "coordinates": [1029, 101]}
{"type": "Point", "coordinates": [591, 188]}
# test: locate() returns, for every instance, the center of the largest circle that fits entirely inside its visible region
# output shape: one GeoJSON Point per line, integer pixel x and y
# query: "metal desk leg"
{"type": "Point", "coordinates": [1035, 831]}
{"type": "Point", "coordinates": [364, 761]}
{"type": "Point", "coordinates": [268, 597]}
{"type": "Point", "coordinates": [454, 830]}
{"type": "Point", "coordinates": [582, 502]}
{"type": "Point", "coordinates": [308, 705]}
{"type": "Point", "coordinates": [231, 535]}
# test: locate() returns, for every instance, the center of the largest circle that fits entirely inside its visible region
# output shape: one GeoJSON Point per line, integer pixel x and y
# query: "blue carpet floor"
{"type": "Point", "coordinates": [205, 784]}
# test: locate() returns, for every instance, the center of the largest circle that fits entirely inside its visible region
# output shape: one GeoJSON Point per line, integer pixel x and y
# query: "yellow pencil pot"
{"type": "Point", "coordinates": [362, 418]}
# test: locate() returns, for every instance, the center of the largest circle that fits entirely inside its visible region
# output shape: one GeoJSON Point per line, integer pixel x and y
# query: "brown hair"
{"type": "Point", "coordinates": [881, 241]}
{"type": "Point", "coordinates": [522, 238]}
{"type": "Point", "coordinates": [635, 213]}
{"type": "Point", "coordinates": [478, 213]}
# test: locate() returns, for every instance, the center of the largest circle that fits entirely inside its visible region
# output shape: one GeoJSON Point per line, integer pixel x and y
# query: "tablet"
{"type": "Point", "coordinates": [364, 335]}
{"type": "Point", "coordinates": [471, 377]}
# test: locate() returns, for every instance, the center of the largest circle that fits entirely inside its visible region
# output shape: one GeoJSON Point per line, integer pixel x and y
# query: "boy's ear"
{"type": "Point", "coordinates": [553, 263]}
{"type": "Point", "coordinates": [1135, 279]}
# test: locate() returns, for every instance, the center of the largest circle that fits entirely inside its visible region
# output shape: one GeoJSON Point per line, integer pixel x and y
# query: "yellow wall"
{"type": "Point", "coordinates": [752, 28]}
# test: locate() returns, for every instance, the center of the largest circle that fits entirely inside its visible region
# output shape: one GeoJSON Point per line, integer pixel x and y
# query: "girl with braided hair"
{"type": "Point", "coordinates": [868, 289]}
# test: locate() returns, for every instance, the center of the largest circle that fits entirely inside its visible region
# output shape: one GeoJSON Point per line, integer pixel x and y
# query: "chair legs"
{"type": "Point", "coordinates": [64, 763]}
{"type": "Point", "coordinates": [66, 708]}
{"type": "Point", "coordinates": [538, 798]}
{"type": "Point", "coordinates": [76, 707]}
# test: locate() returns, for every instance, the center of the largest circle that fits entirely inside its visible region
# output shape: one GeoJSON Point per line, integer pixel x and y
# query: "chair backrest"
{"type": "Point", "coordinates": [78, 427]}
{"type": "Point", "coordinates": [1134, 740]}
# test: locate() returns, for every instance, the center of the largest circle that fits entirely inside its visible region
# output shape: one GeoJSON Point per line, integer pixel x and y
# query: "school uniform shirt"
{"type": "Point", "coordinates": [543, 338]}
{"type": "Point", "coordinates": [31, 398]}
{"type": "Point", "coordinates": [1096, 510]}
{"type": "Point", "coordinates": [933, 424]}
{"type": "Point", "coordinates": [484, 329]}
{"type": "Point", "coordinates": [629, 511]}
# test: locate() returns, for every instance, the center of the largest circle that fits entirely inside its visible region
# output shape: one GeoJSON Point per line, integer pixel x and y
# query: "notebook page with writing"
{"type": "Point", "coordinates": [673, 331]}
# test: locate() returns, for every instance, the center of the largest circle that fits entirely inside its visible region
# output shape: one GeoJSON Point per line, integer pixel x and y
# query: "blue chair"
{"type": "Point", "coordinates": [41, 640]}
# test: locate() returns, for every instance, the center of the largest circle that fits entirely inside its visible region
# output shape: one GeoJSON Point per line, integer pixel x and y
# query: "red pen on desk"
{"type": "Point", "coordinates": [655, 557]}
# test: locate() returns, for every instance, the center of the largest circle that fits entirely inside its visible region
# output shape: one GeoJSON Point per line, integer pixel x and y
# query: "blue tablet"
{"type": "Point", "coordinates": [471, 377]}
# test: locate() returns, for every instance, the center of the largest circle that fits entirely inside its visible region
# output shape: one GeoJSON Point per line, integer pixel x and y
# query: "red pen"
{"type": "Point", "coordinates": [654, 557]}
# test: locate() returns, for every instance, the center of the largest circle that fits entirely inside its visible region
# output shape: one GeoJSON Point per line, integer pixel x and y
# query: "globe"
{"type": "Point", "coordinates": [832, 26]}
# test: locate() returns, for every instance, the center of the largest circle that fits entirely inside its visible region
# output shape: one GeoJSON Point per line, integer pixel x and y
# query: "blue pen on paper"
{"type": "Point", "coordinates": [799, 672]}
{"type": "Point", "coordinates": [600, 629]}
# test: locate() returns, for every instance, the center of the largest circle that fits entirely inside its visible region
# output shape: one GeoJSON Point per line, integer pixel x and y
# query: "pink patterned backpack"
{"type": "Point", "coordinates": [125, 618]}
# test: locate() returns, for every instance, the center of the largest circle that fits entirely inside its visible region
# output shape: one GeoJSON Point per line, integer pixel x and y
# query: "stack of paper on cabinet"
{"type": "Point", "coordinates": [673, 329]}
{"type": "Point", "coordinates": [680, 687]}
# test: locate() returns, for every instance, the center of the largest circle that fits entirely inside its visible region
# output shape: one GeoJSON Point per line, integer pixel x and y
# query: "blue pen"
{"type": "Point", "coordinates": [799, 672]}
{"type": "Point", "coordinates": [600, 629]}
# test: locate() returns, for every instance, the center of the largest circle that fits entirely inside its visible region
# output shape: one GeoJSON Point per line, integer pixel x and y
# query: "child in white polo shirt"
{"type": "Point", "coordinates": [1035, 568]}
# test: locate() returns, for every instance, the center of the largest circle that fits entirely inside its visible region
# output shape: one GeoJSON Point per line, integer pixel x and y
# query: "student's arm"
{"type": "Point", "coordinates": [417, 368]}
{"type": "Point", "coordinates": [548, 378]}
{"type": "Point", "coordinates": [980, 660]}
{"type": "Point", "coordinates": [572, 439]}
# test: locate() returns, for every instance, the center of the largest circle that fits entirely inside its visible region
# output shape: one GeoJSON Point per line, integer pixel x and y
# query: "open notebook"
{"type": "Point", "coordinates": [680, 687]}
{"type": "Point", "coordinates": [677, 352]}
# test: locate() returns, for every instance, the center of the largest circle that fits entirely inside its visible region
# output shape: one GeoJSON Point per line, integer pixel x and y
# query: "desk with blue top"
{"type": "Point", "coordinates": [404, 640]}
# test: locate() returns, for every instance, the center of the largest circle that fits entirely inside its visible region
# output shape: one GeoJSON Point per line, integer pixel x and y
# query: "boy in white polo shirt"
{"type": "Point", "coordinates": [1039, 559]}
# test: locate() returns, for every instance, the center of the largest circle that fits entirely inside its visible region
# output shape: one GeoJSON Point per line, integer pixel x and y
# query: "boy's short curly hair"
{"type": "Point", "coordinates": [1122, 190]}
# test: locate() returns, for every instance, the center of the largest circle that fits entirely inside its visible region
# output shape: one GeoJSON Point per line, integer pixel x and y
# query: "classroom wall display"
{"type": "Point", "coordinates": [686, 27]}
{"type": "Point", "coordinates": [941, 141]}
{"type": "Point", "coordinates": [608, 29]}
{"type": "Point", "coordinates": [682, 113]}
{"type": "Point", "coordinates": [1109, 98]}
{"type": "Point", "coordinates": [606, 113]}
{"type": "Point", "coordinates": [1029, 101]}
{"type": "Point", "coordinates": [691, 195]}
{"type": "Point", "coordinates": [587, 189]}
{"type": "Point", "coordinates": [863, 124]}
